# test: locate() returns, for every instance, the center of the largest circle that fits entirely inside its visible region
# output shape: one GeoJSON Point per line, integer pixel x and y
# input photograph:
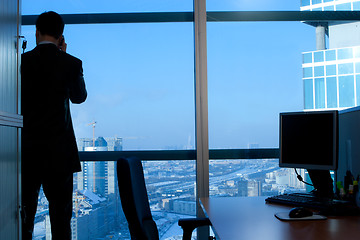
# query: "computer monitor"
{"type": "Point", "coordinates": [309, 140]}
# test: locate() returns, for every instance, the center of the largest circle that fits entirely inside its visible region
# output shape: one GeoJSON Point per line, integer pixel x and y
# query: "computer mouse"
{"type": "Point", "coordinates": [300, 212]}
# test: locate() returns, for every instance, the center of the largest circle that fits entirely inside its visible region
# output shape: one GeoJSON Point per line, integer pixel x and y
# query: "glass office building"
{"type": "Point", "coordinates": [331, 77]}
{"type": "Point", "coordinates": [330, 5]}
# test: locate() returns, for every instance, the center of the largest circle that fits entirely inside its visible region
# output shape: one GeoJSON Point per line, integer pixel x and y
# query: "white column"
{"type": "Point", "coordinates": [320, 36]}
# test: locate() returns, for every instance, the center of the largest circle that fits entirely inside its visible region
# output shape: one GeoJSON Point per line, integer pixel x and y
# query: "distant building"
{"type": "Point", "coordinates": [331, 74]}
{"type": "Point", "coordinates": [242, 188]}
{"type": "Point", "coordinates": [249, 188]}
{"type": "Point", "coordinates": [99, 177]}
{"type": "Point", "coordinates": [254, 188]}
{"type": "Point", "coordinates": [184, 207]}
{"type": "Point", "coordinates": [180, 206]}
{"type": "Point", "coordinates": [95, 216]}
{"type": "Point", "coordinates": [114, 143]}
{"type": "Point", "coordinates": [287, 178]}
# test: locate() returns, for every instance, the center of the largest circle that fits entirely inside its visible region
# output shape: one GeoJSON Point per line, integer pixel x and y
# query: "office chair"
{"type": "Point", "coordinates": [135, 203]}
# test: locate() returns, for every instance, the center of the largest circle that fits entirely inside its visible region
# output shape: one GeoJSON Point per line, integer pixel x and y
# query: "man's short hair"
{"type": "Point", "coordinates": [50, 23]}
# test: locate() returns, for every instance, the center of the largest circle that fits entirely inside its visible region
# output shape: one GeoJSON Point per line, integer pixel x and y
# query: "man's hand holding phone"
{"type": "Point", "coordinates": [62, 44]}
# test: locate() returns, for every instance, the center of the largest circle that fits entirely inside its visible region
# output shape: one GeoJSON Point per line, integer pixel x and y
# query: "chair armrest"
{"type": "Point", "coordinates": [194, 222]}
{"type": "Point", "coordinates": [189, 224]}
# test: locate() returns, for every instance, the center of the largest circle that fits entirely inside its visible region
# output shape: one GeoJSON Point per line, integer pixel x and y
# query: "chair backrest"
{"type": "Point", "coordinates": [134, 199]}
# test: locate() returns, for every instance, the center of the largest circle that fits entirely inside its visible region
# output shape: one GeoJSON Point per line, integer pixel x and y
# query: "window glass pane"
{"type": "Point", "coordinates": [237, 88]}
{"type": "Point", "coordinates": [319, 56]}
{"type": "Point", "coordinates": [330, 70]}
{"type": "Point", "coordinates": [331, 92]}
{"type": "Point", "coordinates": [356, 6]}
{"type": "Point", "coordinates": [110, 6]}
{"type": "Point", "coordinates": [317, 9]}
{"type": "Point", "coordinates": [319, 71]}
{"type": "Point", "coordinates": [328, 1]}
{"type": "Point", "coordinates": [319, 93]}
{"type": "Point", "coordinates": [307, 57]}
{"type": "Point", "coordinates": [308, 94]}
{"type": "Point", "coordinates": [316, 1]}
{"type": "Point", "coordinates": [330, 55]}
{"type": "Point", "coordinates": [346, 91]}
{"type": "Point", "coordinates": [357, 67]}
{"type": "Point", "coordinates": [307, 72]}
{"type": "Point", "coordinates": [329, 8]}
{"type": "Point", "coordinates": [343, 7]}
{"type": "Point", "coordinates": [357, 90]}
{"type": "Point", "coordinates": [305, 3]}
{"type": "Point", "coordinates": [345, 53]}
{"type": "Point", "coordinates": [140, 83]}
{"type": "Point", "coordinates": [346, 68]}
{"type": "Point", "coordinates": [357, 52]}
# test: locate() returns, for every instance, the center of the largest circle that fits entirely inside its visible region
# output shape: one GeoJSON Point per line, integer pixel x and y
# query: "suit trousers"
{"type": "Point", "coordinates": [58, 189]}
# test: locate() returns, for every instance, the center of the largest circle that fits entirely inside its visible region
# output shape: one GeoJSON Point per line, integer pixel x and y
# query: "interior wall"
{"type": "Point", "coordinates": [8, 183]}
{"type": "Point", "coordinates": [10, 121]}
{"type": "Point", "coordinates": [349, 142]}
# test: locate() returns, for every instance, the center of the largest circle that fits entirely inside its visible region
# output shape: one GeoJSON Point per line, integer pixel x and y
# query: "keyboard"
{"type": "Point", "coordinates": [325, 206]}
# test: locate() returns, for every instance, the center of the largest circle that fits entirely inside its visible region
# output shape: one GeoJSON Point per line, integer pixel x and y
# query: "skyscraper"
{"type": "Point", "coordinates": [97, 190]}
{"type": "Point", "coordinates": [99, 177]}
{"type": "Point", "coordinates": [331, 73]}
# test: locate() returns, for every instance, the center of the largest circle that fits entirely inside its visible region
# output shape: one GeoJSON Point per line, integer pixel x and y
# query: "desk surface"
{"type": "Point", "coordinates": [250, 218]}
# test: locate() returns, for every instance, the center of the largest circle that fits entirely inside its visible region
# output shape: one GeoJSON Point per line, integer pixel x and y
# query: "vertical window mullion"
{"type": "Point", "coordinates": [201, 109]}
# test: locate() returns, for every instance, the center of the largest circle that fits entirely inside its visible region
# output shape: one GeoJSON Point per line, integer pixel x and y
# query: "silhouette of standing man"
{"type": "Point", "coordinates": [49, 79]}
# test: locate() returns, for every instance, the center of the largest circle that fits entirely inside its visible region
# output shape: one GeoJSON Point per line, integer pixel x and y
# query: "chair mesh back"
{"type": "Point", "coordinates": [134, 199]}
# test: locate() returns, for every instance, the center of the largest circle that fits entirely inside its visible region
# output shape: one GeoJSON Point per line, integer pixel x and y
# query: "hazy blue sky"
{"type": "Point", "coordinates": [140, 77]}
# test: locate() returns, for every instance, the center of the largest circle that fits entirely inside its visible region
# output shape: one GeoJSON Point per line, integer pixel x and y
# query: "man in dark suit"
{"type": "Point", "coordinates": [49, 79]}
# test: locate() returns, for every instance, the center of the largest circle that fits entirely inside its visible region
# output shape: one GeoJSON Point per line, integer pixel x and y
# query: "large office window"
{"type": "Point", "coordinates": [140, 79]}
{"type": "Point", "coordinates": [140, 82]}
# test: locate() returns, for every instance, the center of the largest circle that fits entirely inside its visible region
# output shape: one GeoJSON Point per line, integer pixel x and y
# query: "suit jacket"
{"type": "Point", "coordinates": [49, 79]}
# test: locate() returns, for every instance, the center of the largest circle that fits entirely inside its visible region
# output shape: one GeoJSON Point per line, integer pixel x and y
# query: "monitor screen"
{"type": "Point", "coordinates": [309, 140]}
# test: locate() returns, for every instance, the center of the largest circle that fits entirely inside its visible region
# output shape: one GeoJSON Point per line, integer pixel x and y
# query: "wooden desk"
{"type": "Point", "coordinates": [250, 218]}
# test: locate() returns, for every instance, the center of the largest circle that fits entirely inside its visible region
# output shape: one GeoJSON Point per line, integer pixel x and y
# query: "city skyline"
{"type": "Point", "coordinates": [171, 193]}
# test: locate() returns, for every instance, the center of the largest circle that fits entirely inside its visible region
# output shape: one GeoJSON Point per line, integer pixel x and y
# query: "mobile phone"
{"type": "Point", "coordinates": [61, 42]}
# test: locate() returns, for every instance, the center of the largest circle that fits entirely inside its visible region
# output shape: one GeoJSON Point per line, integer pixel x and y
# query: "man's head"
{"type": "Point", "coordinates": [49, 24]}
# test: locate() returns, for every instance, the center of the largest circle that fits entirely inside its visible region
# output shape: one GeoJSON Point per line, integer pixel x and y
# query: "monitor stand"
{"type": "Point", "coordinates": [322, 182]}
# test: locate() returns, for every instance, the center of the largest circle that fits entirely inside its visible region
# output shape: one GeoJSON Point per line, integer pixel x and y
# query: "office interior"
{"type": "Point", "coordinates": [204, 94]}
